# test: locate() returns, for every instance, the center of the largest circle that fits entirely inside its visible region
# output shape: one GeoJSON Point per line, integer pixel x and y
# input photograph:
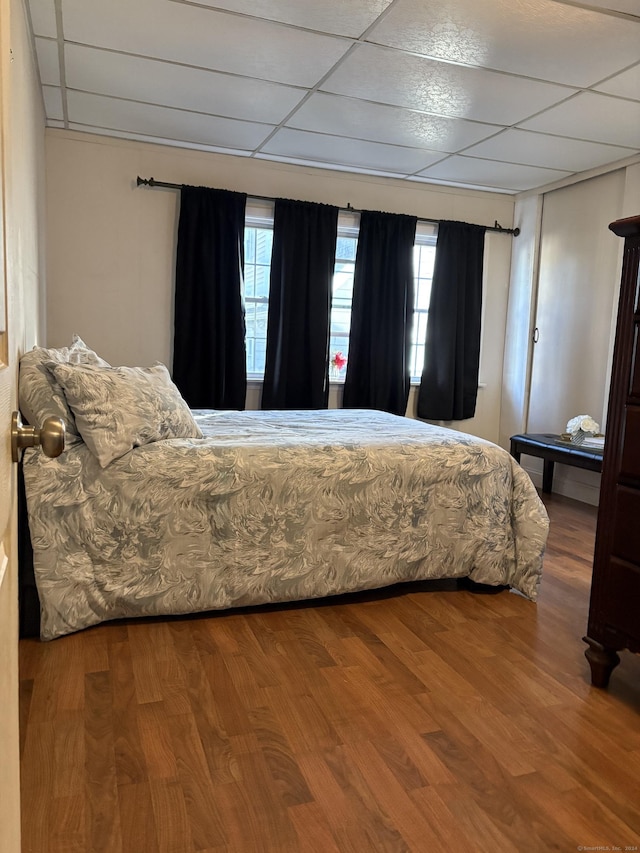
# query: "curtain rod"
{"type": "Point", "coordinates": [151, 182]}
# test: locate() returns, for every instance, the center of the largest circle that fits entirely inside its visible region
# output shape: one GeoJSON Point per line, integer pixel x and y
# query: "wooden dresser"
{"type": "Point", "coordinates": [614, 611]}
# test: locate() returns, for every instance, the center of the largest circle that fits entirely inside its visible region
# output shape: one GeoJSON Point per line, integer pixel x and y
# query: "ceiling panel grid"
{"type": "Point", "coordinates": [505, 95]}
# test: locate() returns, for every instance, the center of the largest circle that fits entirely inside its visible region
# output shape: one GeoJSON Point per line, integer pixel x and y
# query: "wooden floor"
{"type": "Point", "coordinates": [423, 721]}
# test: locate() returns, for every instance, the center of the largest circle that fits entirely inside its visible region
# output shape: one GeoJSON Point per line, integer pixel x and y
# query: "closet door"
{"type": "Point", "coordinates": [577, 294]}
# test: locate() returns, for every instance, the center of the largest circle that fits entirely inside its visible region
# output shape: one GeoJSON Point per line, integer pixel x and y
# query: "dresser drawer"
{"type": "Point", "coordinates": [630, 462]}
{"type": "Point", "coordinates": [634, 385]}
{"type": "Point", "coordinates": [626, 525]}
{"type": "Point", "coordinates": [621, 609]}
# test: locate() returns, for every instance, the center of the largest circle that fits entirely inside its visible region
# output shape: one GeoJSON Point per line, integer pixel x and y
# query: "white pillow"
{"type": "Point", "coordinates": [39, 394]}
{"type": "Point", "coordinates": [119, 408]}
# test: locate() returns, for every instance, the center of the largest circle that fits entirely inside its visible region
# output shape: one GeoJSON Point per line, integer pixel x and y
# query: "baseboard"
{"type": "Point", "coordinates": [573, 483]}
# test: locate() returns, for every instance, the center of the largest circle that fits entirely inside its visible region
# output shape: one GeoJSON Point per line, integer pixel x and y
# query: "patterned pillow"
{"type": "Point", "coordinates": [119, 408]}
{"type": "Point", "coordinates": [39, 393]}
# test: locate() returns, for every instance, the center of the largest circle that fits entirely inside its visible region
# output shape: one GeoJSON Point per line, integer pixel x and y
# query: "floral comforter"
{"type": "Point", "coordinates": [272, 507]}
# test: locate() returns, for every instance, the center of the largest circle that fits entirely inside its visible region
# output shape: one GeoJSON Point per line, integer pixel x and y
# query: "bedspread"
{"type": "Point", "coordinates": [274, 507]}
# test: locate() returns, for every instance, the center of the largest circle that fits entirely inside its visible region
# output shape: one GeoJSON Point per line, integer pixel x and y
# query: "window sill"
{"type": "Point", "coordinates": [415, 383]}
{"type": "Point", "coordinates": [256, 382]}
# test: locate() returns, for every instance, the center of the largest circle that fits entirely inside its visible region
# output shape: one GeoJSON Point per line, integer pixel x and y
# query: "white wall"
{"type": "Point", "coordinates": [631, 200]}
{"type": "Point", "coordinates": [111, 245]}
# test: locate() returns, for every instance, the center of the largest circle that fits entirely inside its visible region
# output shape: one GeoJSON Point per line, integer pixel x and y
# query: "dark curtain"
{"type": "Point", "coordinates": [302, 263]}
{"type": "Point", "coordinates": [449, 384]}
{"type": "Point", "coordinates": [381, 314]}
{"type": "Point", "coordinates": [209, 361]}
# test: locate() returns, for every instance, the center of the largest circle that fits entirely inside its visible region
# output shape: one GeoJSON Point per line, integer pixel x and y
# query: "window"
{"type": "Point", "coordinates": [342, 294]}
{"type": "Point", "coordinates": [424, 256]}
{"type": "Point", "coordinates": [258, 240]}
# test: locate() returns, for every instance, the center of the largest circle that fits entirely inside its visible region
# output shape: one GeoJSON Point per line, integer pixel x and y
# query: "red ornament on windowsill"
{"type": "Point", "coordinates": [338, 361]}
{"type": "Point", "coordinates": [336, 365]}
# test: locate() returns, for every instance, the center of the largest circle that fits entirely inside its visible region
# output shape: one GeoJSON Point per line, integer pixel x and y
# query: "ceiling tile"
{"type": "Point", "coordinates": [491, 173]}
{"type": "Point", "coordinates": [535, 38]}
{"type": "Point", "coordinates": [43, 18]}
{"type": "Point", "coordinates": [53, 102]}
{"type": "Point", "coordinates": [348, 152]}
{"type": "Point", "coordinates": [203, 37]}
{"type": "Point", "coordinates": [167, 84]}
{"type": "Point", "coordinates": [552, 152]}
{"type": "Point", "coordinates": [329, 16]}
{"type": "Point", "coordinates": [48, 62]}
{"type": "Point", "coordinates": [163, 122]}
{"type": "Point", "coordinates": [156, 140]}
{"type": "Point", "coordinates": [334, 167]}
{"type": "Point", "coordinates": [599, 118]}
{"type": "Point", "coordinates": [392, 77]}
{"type": "Point", "coordinates": [342, 116]}
{"type": "Point", "coordinates": [625, 85]}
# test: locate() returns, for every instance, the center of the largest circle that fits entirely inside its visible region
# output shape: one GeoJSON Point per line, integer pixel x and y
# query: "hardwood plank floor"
{"type": "Point", "coordinates": [424, 720]}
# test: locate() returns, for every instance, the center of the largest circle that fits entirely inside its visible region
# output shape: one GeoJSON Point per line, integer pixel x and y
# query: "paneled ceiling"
{"type": "Point", "coordinates": [506, 95]}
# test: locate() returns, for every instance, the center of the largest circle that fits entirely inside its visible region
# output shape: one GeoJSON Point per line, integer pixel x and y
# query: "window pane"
{"type": "Point", "coordinates": [346, 248]}
{"type": "Point", "coordinates": [249, 245]}
{"type": "Point", "coordinates": [341, 320]}
{"type": "Point", "coordinates": [424, 254]}
{"type": "Point", "coordinates": [341, 298]}
{"type": "Point", "coordinates": [249, 280]}
{"type": "Point", "coordinates": [262, 282]}
{"type": "Point", "coordinates": [258, 242]}
{"type": "Point", "coordinates": [418, 361]}
{"type": "Point", "coordinates": [421, 327]}
{"type": "Point", "coordinates": [260, 357]}
{"type": "Point", "coordinates": [261, 310]}
{"type": "Point", "coordinates": [264, 241]}
{"type": "Point", "coordinates": [423, 294]}
{"type": "Point", "coordinates": [343, 282]}
{"type": "Point", "coordinates": [427, 260]}
{"type": "Point", "coordinates": [251, 345]}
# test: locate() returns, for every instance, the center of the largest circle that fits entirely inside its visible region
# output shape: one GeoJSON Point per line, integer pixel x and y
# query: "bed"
{"type": "Point", "coordinates": [228, 509]}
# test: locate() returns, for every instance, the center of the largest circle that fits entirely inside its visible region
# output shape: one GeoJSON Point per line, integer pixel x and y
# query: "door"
{"type": "Point", "coordinates": [10, 297]}
{"type": "Point", "coordinates": [577, 295]}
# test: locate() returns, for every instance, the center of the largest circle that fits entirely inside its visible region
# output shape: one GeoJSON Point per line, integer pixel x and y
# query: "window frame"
{"type": "Point", "coordinates": [349, 228]}
{"type": "Point", "coordinates": [426, 237]}
{"type": "Point", "coordinates": [260, 214]}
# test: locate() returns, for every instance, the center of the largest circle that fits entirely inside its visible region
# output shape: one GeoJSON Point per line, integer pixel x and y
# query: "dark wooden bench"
{"type": "Point", "coordinates": [551, 448]}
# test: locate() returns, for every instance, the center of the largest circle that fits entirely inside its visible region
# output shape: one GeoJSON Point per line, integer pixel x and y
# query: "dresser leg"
{"type": "Point", "coordinates": [602, 662]}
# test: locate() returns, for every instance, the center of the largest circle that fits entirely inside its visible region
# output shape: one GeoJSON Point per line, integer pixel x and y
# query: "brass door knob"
{"type": "Point", "coordinates": [50, 437]}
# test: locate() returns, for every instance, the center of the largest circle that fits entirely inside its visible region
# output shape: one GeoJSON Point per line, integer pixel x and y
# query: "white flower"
{"type": "Point", "coordinates": [584, 423]}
